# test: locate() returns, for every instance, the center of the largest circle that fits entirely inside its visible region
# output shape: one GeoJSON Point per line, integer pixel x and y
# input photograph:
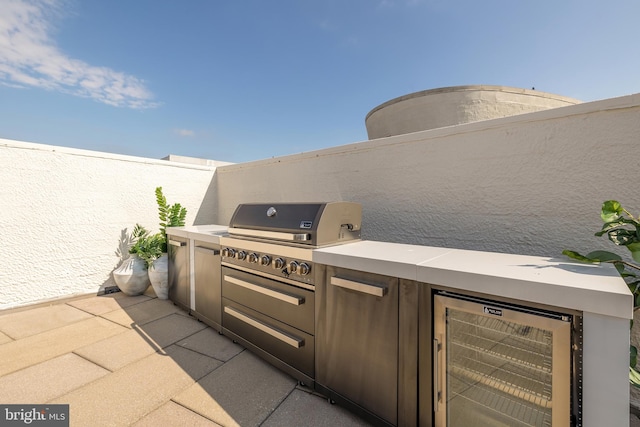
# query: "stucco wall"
{"type": "Point", "coordinates": [527, 184]}
{"type": "Point", "coordinates": [64, 211]}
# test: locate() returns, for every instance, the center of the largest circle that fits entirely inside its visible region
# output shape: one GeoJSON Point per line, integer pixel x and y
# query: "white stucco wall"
{"type": "Point", "coordinates": [63, 212]}
{"type": "Point", "coordinates": [528, 184]}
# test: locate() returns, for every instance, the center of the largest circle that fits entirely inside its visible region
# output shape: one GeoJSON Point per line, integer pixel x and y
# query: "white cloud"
{"type": "Point", "coordinates": [184, 132]}
{"type": "Point", "coordinates": [29, 57]}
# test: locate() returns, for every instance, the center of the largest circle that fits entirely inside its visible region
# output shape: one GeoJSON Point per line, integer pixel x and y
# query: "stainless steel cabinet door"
{"type": "Point", "coordinates": [208, 296]}
{"type": "Point", "coordinates": [357, 339]}
{"type": "Point", "coordinates": [178, 250]}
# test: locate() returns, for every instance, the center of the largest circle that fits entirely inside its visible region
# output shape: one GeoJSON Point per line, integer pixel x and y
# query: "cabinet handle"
{"type": "Point", "coordinates": [292, 341]}
{"type": "Point", "coordinates": [176, 243]}
{"type": "Point", "coordinates": [291, 299]}
{"type": "Point", "coordinates": [436, 374]}
{"type": "Point", "coordinates": [378, 291]}
{"type": "Point", "coordinates": [207, 251]}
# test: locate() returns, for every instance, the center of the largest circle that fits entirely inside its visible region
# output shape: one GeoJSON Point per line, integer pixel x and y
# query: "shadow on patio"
{"type": "Point", "coordinates": [120, 360]}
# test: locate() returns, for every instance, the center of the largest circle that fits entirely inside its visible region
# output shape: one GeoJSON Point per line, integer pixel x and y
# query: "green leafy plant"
{"type": "Point", "coordinates": [170, 215]}
{"type": "Point", "coordinates": [622, 229]}
{"type": "Point", "coordinates": [147, 246]}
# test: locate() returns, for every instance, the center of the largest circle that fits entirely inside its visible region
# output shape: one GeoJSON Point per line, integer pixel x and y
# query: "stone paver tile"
{"type": "Point", "coordinates": [142, 313]}
{"type": "Point", "coordinates": [123, 397]}
{"type": "Point", "coordinates": [212, 344]}
{"type": "Point", "coordinates": [243, 392]}
{"type": "Point", "coordinates": [48, 380]}
{"type": "Point", "coordinates": [170, 329]}
{"type": "Point", "coordinates": [31, 322]}
{"type": "Point", "coordinates": [174, 415]}
{"type": "Point", "coordinates": [4, 338]}
{"type": "Point", "coordinates": [302, 408]}
{"type": "Point", "coordinates": [119, 350]}
{"type": "Point", "coordinates": [28, 351]}
{"type": "Point", "coordinates": [105, 303]}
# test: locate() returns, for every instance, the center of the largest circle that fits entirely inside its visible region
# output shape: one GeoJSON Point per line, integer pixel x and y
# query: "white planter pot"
{"type": "Point", "coordinates": [132, 277]}
{"type": "Point", "coordinates": [159, 276]}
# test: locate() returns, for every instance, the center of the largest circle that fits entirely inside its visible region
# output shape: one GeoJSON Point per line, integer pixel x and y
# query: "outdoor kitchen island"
{"type": "Point", "coordinates": [594, 295]}
{"type": "Point", "coordinates": [374, 325]}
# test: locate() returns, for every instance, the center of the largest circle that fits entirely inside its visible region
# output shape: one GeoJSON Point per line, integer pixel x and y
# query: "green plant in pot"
{"type": "Point", "coordinates": [622, 229]}
{"type": "Point", "coordinates": [148, 247]}
{"type": "Point", "coordinates": [131, 276]}
{"type": "Point", "coordinates": [156, 245]}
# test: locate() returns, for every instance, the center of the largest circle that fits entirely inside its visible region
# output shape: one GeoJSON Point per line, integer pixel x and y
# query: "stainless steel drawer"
{"type": "Point", "coordinates": [293, 346]}
{"type": "Point", "coordinates": [289, 304]}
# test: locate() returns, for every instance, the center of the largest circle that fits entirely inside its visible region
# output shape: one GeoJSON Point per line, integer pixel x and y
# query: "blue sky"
{"type": "Point", "coordinates": [245, 80]}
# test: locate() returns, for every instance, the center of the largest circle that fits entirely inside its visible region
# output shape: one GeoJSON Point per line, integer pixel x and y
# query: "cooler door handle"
{"type": "Point", "coordinates": [176, 243]}
{"type": "Point", "coordinates": [436, 375]}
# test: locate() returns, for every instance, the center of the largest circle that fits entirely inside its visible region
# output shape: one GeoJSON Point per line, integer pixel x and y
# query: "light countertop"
{"type": "Point", "coordinates": [558, 282]}
{"type": "Point", "coordinates": [209, 233]}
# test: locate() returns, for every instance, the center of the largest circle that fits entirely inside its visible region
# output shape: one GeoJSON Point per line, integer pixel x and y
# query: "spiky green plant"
{"type": "Point", "coordinates": [170, 215]}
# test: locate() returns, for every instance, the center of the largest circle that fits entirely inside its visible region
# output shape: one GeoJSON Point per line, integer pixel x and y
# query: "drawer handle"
{"type": "Point", "coordinates": [378, 291]}
{"type": "Point", "coordinates": [292, 341]}
{"type": "Point", "coordinates": [290, 299]}
{"type": "Point", "coordinates": [207, 251]}
{"type": "Point", "coordinates": [177, 243]}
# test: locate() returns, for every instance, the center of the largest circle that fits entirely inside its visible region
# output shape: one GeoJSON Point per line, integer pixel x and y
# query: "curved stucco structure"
{"type": "Point", "coordinates": [436, 108]}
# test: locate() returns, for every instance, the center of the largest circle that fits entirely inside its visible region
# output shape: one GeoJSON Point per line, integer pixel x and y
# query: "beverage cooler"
{"type": "Point", "coordinates": [497, 364]}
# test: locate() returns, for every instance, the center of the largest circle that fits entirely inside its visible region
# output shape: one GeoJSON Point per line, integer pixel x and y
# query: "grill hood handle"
{"type": "Point", "coordinates": [351, 227]}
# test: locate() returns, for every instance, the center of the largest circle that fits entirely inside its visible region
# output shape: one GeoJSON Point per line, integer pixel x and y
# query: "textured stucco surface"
{"type": "Point", "coordinates": [64, 211]}
{"type": "Point", "coordinates": [529, 184]}
{"type": "Point", "coordinates": [435, 108]}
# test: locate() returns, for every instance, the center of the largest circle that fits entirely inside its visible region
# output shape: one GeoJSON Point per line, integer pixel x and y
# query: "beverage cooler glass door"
{"type": "Point", "coordinates": [499, 365]}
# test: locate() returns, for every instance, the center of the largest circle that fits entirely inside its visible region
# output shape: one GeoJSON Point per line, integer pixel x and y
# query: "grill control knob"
{"type": "Point", "coordinates": [241, 255]}
{"type": "Point", "coordinates": [230, 252]}
{"type": "Point", "coordinates": [304, 269]}
{"type": "Point", "coordinates": [253, 258]}
{"type": "Point", "coordinates": [278, 263]}
{"type": "Point", "coordinates": [293, 266]}
{"type": "Point", "coordinates": [265, 260]}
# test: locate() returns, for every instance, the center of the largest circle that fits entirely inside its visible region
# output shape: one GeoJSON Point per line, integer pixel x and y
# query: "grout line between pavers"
{"type": "Point", "coordinates": [190, 410]}
{"type": "Point", "coordinates": [278, 406]}
{"type": "Point", "coordinates": [12, 338]}
{"type": "Point", "coordinates": [91, 361]}
{"type": "Point", "coordinates": [109, 372]}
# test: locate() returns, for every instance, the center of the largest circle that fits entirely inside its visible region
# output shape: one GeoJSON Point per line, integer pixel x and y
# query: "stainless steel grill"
{"type": "Point", "coordinates": [268, 277]}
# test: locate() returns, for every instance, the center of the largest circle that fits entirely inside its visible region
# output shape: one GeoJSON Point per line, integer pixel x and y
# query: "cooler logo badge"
{"type": "Point", "coordinates": [306, 224]}
{"type": "Point", "coordinates": [492, 311]}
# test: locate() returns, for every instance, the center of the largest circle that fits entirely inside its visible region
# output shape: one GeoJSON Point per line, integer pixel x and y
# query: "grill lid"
{"type": "Point", "coordinates": [312, 224]}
